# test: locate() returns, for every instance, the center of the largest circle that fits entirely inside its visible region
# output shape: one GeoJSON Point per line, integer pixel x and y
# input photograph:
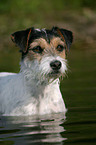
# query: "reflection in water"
{"type": "Point", "coordinates": [33, 129]}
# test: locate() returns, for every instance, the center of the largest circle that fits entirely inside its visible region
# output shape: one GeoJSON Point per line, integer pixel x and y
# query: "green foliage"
{"type": "Point", "coordinates": [46, 5]}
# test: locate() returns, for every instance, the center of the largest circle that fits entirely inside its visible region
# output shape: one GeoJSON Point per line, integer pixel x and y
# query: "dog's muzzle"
{"type": "Point", "coordinates": [52, 67]}
{"type": "Point", "coordinates": [55, 65]}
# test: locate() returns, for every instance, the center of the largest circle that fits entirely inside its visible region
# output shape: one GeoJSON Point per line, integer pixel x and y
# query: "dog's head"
{"type": "Point", "coordinates": [45, 49]}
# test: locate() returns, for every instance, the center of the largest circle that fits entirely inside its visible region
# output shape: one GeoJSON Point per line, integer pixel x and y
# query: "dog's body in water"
{"type": "Point", "coordinates": [35, 89]}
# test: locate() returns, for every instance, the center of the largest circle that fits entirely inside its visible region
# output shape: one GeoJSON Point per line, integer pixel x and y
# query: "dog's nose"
{"type": "Point", "coordinates": [55, 65]}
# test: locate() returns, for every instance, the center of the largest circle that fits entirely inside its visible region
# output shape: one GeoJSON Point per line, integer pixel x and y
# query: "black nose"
{"type": "Point", "coordinates": [55, 65]}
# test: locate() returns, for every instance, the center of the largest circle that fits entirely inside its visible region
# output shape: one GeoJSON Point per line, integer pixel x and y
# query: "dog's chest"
{"type": "Point", "coordinates": [50, 100]}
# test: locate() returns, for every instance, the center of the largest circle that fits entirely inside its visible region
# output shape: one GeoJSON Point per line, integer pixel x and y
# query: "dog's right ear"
{"type": "Point", "coordinates": [21, 38]}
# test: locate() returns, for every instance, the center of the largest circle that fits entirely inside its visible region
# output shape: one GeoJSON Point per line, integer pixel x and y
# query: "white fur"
{"type": "Point", "coordinates": [32, 91]}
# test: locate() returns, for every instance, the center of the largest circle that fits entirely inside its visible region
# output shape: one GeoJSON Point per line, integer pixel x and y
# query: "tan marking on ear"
{"type": "Point", "coordinates": [28, 40]}
{"type": "Point", "coordinates": [59, 32]}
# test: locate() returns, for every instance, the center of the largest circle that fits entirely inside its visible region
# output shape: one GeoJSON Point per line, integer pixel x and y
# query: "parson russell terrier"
{"type": "Point", "coordinates": [35, 89]}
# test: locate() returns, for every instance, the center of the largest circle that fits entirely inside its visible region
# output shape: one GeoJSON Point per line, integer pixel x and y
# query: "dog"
{"type": "Point", "coordinates": [35, 89]}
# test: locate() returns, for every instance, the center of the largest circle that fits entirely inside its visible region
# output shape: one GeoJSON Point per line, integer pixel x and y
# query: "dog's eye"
{"type": "Point", "coordinates": [37, 49]}
{"type": "Point", "coordinates": [60, 48]}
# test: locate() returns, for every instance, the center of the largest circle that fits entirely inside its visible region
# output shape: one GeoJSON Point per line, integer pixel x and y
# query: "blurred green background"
{"type": "Point", "coordinates": [78, 16]}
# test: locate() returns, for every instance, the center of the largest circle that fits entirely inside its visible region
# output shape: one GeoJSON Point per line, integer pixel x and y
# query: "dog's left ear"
{"type": "Point", "coordinates": [21, 39]}
{"type": "Point", "coordinates": [66, 35]}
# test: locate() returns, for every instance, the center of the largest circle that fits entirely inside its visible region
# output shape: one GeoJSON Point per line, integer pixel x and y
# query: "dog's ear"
{"type": "Point", "coordinates": [21, 39]}
{"type": "Point", "coordinates": [66, 35]}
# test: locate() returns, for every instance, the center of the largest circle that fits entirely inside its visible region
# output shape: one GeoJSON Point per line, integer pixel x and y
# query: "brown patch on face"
{"type": "Point", "coordinates": [31, 56]}
{"type": "Point", "coordinates": [63, 54]}
{"type": "Point", "coordinates": [47, 48]}
{"type": "Point", "coordinates": [39, 42]}
{"type": "Point", "coordinates": [55, 42]}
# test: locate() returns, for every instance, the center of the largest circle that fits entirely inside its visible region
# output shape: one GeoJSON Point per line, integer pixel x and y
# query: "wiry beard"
{"type": "Point", "coordinates": [47, 72]}
{"type": "Point", "coordinates": [40, 72]}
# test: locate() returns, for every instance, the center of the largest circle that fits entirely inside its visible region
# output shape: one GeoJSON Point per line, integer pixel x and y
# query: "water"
{"type": "Point", "coordinates": [77, 126]}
